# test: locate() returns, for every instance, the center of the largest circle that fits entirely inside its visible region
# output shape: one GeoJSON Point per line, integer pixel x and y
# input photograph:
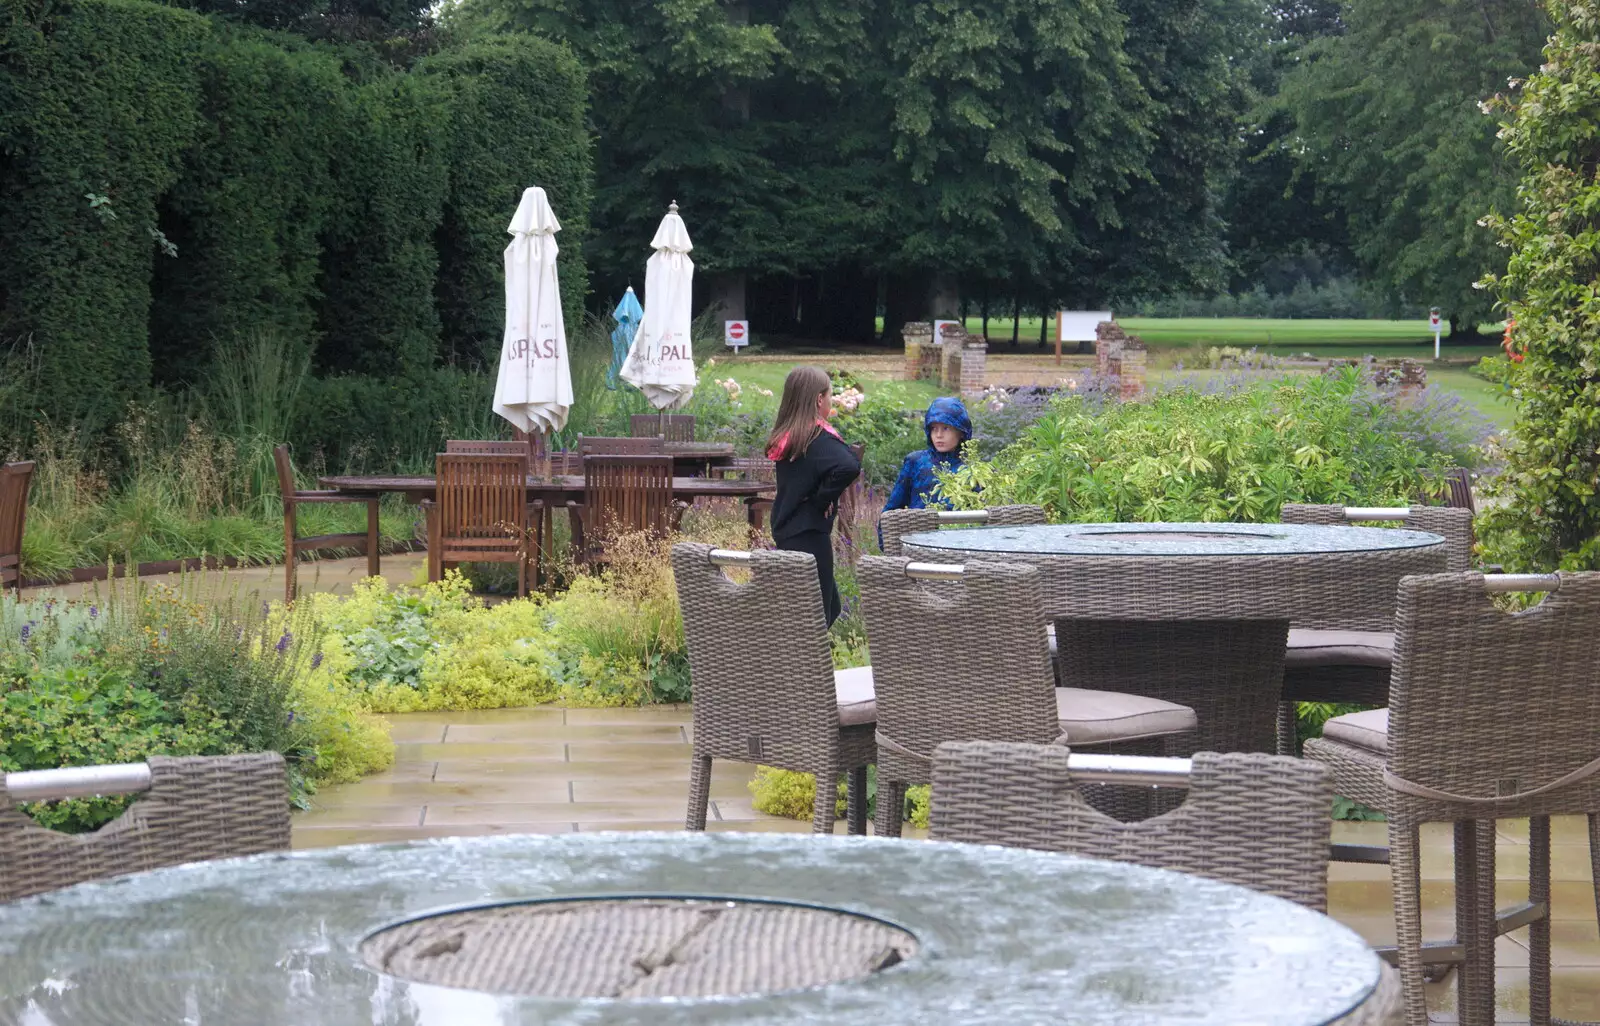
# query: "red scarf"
{"type": "Point", "coordinates": [776, 449]}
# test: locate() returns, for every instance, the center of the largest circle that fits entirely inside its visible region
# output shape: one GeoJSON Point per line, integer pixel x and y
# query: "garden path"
{"type": "Point", "coordinates": [336, 576]}
{"type": "Point", "coordinates": [555, 770]}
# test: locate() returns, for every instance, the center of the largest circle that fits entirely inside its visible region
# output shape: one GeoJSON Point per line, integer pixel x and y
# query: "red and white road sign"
{"type": "Point", "coordinates": [1433, 321]}
{"type": "Point", "coordinates": [736, 333]}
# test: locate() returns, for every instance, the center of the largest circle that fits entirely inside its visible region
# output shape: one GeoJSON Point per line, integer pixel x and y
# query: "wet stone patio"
{"type": "Point", "coordinates": [553, 770]}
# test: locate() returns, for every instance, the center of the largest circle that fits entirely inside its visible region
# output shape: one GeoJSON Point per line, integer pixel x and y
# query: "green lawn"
{"type": "Point", "coordinates": [753, 375]}
{"type": "Point", "coordinates": [1398, 337]}
{"type": "Point", "coordinates": [1175, 340]}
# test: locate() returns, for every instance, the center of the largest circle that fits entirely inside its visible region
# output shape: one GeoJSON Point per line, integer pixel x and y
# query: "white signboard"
{"type": "Point", "coordinates": [1079, 325]}
{"type": "Point", "coordinates": [736, 333]}
{"type": "Point", "coordinates": [938, 330]}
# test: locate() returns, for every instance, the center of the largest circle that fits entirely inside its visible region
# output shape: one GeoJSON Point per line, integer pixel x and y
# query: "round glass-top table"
{"type": "Point", "coordinates": [999, 935]}
{"type": "Point", "coordinates": [1197, 613]}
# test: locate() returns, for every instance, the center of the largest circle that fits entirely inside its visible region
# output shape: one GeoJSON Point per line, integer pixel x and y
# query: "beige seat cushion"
{"type": "Point", "coordinates": [1339, 648]}
{"type": "Point", "coordinates": [1093, 717]}
{"type": "Point", "coordinates": [1368, 729]}
{"type": "Point", "coordinates": [858, 703]}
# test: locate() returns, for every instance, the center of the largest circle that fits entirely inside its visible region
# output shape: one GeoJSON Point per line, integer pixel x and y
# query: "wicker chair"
{"type": "Point", "coordinates": [1260, 821]}
{"type": "Point", "coordinates": [897, 523]}
{"type": "Point", "coordinates": [961, 655]}
{"type": "Point", "coordinates": [616, 445]}
{"type": "Point", "coordinates": [293, 546]}
{"type": "Point", "coordinates": [479, 514]}
{"type": "Point", "coordinates": [673, 427]}
{"type": "Point", "coordinates": [622, 495]}
{"type": "Point", "coordinates": [1490, 716]}
{"type": "Point", "coordinates": [197, 808]}
{"type": "Point", "coordinates": [764, 685]}
{"type": "Point", "coordinates": [14, 480]}
{"type": "Point", "coordinates": [1349, 661]}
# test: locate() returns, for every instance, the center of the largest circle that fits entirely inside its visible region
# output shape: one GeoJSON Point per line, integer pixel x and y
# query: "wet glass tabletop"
{"type": "Point", "coordinates": [1192, 539]}
{"type": "Point", "coordinates": [1002, 935]}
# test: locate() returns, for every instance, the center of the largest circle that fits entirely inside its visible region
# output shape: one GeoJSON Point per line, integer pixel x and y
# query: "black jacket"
{"type": "Point", "coordinates": [809, 486]}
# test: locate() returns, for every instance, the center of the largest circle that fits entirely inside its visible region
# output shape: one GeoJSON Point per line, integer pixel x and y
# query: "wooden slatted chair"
{"type": "Point", "coordinates": [293, 546]}
{"type": "Point", "coordinates": [616, 445]}
{"type": "Point", "coordinates": [14, 480]}
{"type": "Point", "coordinates": [621, 495]}
{"type": "Point", "coordinates": [479, 513]}
{"type": "Point", "coordinates": [674, 427]}
{"type": "Point", "coordinates": [474, 447]}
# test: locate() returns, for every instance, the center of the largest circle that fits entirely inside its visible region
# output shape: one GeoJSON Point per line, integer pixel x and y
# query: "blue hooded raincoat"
{"type": "Point", "coordinates": [916, 487]}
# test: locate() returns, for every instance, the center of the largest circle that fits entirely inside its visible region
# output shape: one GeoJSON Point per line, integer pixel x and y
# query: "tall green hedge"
{"type": "Point", "coordinates": [378, 314]}
{"type": "Point", "coordinates": [249, 211]}
{"type": "Point", "coordinates": [312, 191]}
{"type": "Point", "coordinates": [98, 101]}
{"type": "Point", "coordinates": [516, 119]}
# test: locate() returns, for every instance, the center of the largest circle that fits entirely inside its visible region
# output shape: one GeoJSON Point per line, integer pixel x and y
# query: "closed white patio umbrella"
{"type": "Point", "coordinates": [533, 389]}
{"type": "Point", "coordinates": [661, 363]}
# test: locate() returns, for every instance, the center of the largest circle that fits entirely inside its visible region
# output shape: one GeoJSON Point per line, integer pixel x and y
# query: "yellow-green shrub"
{"type": "Point", "coordinates": [789, 794]}
{"type": "Point", "coordinates": [350, 741]}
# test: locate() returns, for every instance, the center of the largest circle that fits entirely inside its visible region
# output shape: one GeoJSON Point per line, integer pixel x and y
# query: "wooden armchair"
{"type": "Point", "coordinates": [674, 427]}
{"type": "Point", "coordinates": [622, 495]}
{"type": "Point", "coordinates": [479, 513]}
{"type": "Point", "coordinates": [293, 546]}
{"type": "Point", "coordinates": [616, 445]}
{"type": "Point", "coordinates": [14, 480]}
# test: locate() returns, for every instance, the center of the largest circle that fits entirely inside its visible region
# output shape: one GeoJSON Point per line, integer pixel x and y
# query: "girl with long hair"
{"type": "Point", "coordinates": [814, 467]}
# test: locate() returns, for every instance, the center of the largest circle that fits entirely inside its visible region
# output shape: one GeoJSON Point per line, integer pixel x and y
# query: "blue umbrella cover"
{"type": "Point", "coordinates": [627, 315]}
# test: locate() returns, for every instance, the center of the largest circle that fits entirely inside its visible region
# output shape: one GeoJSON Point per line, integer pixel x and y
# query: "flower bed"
{"type": "Point", "coordinates": [146, 670]}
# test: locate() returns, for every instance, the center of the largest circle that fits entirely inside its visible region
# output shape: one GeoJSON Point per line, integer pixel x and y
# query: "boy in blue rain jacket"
{"type": "Point", "coordinates": [948, 426]}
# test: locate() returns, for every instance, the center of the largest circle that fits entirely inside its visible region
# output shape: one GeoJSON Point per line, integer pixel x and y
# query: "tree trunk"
{"type": "Point", "coordinates": [1044, 321]}
{"type": "Point", "coordinates": [985, 311]}
{"type": "Point", "coordinates": [905, 299]}
{"type": "Point", "coordinates": [1016, 317]}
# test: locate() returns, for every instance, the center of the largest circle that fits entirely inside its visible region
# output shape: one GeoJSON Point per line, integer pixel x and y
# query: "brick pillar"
{"type": "Point", "coordinates": [918, 337]}
{"type": "Point", "coordinates": [974, 361]}
{"type": "Point", "coordinates": [1108, 340]}
{"type": "Point", "coordinates": [1413, 378]}
{"type": "Point", "coordinates": [1134, 354]}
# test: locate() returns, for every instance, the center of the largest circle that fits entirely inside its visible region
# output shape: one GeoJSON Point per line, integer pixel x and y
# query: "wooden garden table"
{"type": "Point", "coordinates": [675, 929]}
{"type": "Point", "coordinates": [1197, 614]}
{"type": "Point", "coordinates": [558, 489]}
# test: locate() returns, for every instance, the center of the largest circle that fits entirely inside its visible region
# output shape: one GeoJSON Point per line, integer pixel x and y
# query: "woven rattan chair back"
{"type": "Point", "coordinates": [961, 660]}
{"type": "Point", "coordinates": [14, 480]}
{"type": "Point", "coordinates": [897, 523]}
{"type": "Point", "coordinates": [759, 658]}
{"type": "Point", "coordinates": [197, 808]}
{"type": "Point", "coordinates": [673, 427]}
{"type": "Point", "coordinates": [627, 494]}
{"type": "Point", "coordinates": [1452, 523]}
{"type": "Point", "coordinates": [482, 507]}
{"type": "Point", "coordinates": [1485, 703]}
{"type": "Point", "coordinates": [1256, 820]}
{"type": "Point", "coordinates": [616, 445]}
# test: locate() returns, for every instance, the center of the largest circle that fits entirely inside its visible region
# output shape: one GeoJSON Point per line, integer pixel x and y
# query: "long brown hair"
{"type": "Point", "coordinates": [795, 426]}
